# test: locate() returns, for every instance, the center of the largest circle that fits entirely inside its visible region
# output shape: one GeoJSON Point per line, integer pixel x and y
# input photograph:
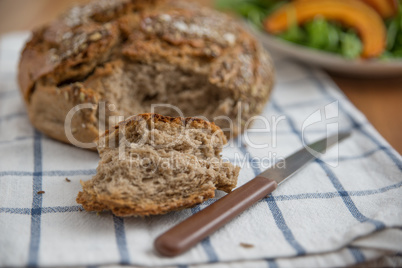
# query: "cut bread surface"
{"type": "Point", "coordinates": [139, 87]}
{"type": "Point", "coordinates": [152, 164]}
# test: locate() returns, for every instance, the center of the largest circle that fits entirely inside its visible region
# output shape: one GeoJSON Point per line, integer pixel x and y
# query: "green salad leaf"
{"type": "Point", "coordinates": [394, 36]}
{"type": "Point", "coordinates": [322, 34]}
{"type": "Point", "coordinates": [294, 34]}
{"type": "Point", "coordinates": [351, 46]}
{"type": "Point", "coordinates": [319, 33]}
{"type": "Point", "coordinates": [253, 10]}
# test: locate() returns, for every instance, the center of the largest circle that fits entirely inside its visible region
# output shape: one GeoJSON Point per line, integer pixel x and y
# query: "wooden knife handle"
{"type": "Point", "coordinates": [189, 232]}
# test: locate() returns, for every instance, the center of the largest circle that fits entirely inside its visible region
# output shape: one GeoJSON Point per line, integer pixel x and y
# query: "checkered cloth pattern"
{"type": "Point", "coordinates": [340, 210]}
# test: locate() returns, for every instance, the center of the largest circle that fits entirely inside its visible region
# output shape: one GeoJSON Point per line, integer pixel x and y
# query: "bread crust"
{"type": "Point", "coordinates": [93, 201]}
{"type": "Point", "coordinates": [124, 209]}
{"type": "Point", "coordinates": [85, 43]}
{"type": "Point", "coordinates": [194, 122]}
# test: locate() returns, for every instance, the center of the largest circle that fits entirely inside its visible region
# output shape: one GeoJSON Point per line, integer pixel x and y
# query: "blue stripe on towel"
{"type": "Point", "coordinates": [334, 180]}
{"type": "Point", "coordinates": [12, 116]}
{"type": "Point", "coordinates": [278, 198]}
{"type": "Point", "coordinates": [347, 199]}
{"type": "Point", "coordinates": [357, 254]}
{"type": "Point", "coordinates": [271, 263]}
{"type": "Point", "coordinates": [121, 240]}
{"type": "Point", "coordinates": [34, 243]}
{"type": "Point", "coordinates": [277, 214]}
{"type": "Point", "coordinates": [206, 243]}
{"type": "Point", "coordinates": [50, 173]}
{"type": "Point", "coordinates": [355, 123]}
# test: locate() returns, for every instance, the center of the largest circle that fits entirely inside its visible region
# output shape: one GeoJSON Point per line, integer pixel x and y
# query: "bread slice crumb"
{"type": "Point", "coordinates": [152, 164]}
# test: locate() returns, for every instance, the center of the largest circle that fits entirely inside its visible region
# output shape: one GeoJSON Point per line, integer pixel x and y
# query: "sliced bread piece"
{"type": "Point", "coordinates": [152, 164]}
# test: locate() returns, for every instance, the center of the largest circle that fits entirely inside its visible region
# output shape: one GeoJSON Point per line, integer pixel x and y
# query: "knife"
{"type": "Point", "coordinates": [189, 232]}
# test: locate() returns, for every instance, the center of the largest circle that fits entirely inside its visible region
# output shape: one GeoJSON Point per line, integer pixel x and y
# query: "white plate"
{"type": "Point", "coordinates": [335, 63]}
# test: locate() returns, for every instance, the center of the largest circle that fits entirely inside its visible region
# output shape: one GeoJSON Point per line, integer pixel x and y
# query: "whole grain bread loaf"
{"type": "Point", "coordinates": [135, 53]}
{"type": "Point", "coordinates": [152, 164]}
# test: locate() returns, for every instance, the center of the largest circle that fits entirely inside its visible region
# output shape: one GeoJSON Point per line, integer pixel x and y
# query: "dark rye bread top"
{"type": "Point", "coordinates": [195, 38]}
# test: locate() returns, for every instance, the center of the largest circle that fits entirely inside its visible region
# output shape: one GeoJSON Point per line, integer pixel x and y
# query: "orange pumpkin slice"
{"type": "Point", "coordinates": [386, 8]}
{"type": "Point", "coordinates": [351, 13]}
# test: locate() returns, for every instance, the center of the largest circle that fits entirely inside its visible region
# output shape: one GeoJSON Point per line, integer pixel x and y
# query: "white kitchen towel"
{"type": "Point", "coordinates": [340, 210]}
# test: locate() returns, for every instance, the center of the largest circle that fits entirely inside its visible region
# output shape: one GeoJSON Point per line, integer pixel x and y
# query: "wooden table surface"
{"type": "Point", "coordinates": [379, 99]}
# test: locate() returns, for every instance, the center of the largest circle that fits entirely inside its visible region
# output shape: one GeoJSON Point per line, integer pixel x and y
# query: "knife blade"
{"type": "Point", "coordinates": [192, 230]}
